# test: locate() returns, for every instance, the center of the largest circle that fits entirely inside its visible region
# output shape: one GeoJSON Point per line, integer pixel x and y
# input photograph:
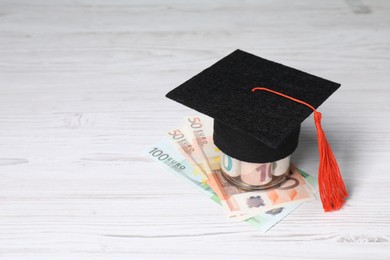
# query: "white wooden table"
{"type": "Point", "coordinates": [82, 87]}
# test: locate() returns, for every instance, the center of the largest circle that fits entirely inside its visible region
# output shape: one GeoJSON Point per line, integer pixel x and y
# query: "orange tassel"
{"type": "Point", "coordinates": [332, 188]}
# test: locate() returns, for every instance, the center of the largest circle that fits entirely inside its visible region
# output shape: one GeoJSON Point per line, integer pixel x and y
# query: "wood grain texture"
{"type": "Point", "coordinates": [82, 87]}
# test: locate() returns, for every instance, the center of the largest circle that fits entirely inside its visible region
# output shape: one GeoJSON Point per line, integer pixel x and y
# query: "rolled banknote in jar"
{"type": "Point", "coordinates": [254, 175]}
{"type": "Point", "coordinates": [282, 166]}
{"type": "Point", "coordinates": [230, 166]}
{"type": "Point", "coordinates": [250, 173]}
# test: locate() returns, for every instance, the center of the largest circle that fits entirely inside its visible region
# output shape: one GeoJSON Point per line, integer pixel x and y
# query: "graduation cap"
{"type": "Point", "coordinates": [258, 107]}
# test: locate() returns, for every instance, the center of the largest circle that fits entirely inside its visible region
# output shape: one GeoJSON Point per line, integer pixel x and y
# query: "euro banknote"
{"type": "Point", "coordinates": [237, 202]}
{"type": "Point", "coordinates": [173, 160]}
{"type": "Point", "coordinates": [190, 150]}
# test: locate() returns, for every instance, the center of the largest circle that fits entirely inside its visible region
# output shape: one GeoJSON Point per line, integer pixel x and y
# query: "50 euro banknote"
{"type": "Point", "coordinates": [167, 155]}
{"type": "Point", "coordinates": [237, 202]}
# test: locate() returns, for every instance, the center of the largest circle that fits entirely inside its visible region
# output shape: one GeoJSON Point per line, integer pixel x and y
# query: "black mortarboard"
{"type": "Point", "coordinates": [254, 126]}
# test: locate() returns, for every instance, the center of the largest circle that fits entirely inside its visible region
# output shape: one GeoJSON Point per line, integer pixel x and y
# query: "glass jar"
{"type": "Point", "coordinates": [254, 176]}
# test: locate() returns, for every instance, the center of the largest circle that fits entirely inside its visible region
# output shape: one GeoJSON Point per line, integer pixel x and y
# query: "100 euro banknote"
{"type": "Point", "coordinates": [171, 159]}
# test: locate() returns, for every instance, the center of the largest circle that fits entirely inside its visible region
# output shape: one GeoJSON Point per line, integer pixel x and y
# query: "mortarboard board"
{"type": "Point", "coordinates": [263, 126]}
